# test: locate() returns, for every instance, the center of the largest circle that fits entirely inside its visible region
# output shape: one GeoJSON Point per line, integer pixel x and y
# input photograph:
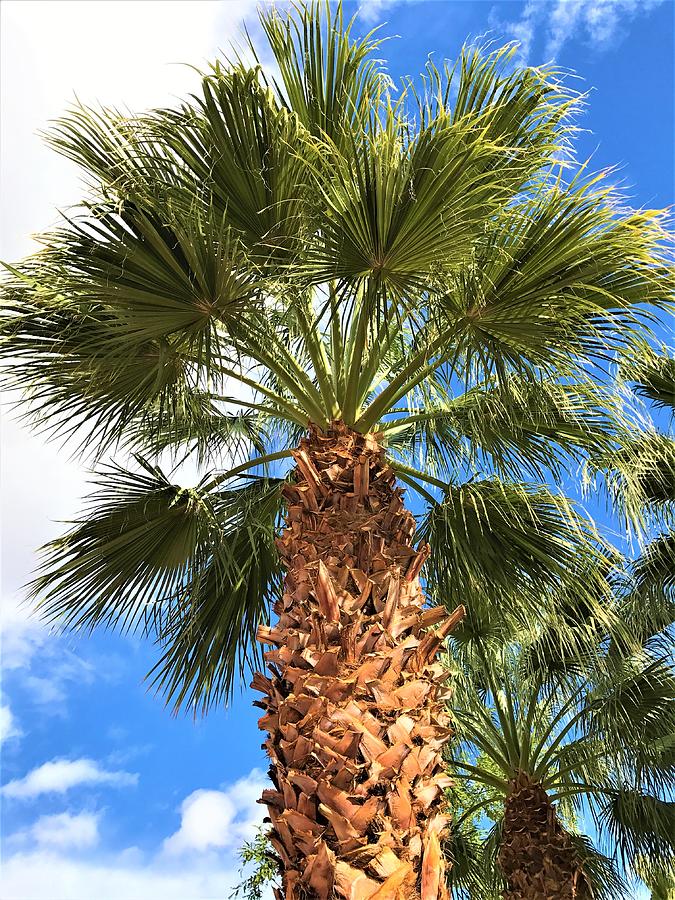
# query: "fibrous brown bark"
{"type": "Point", "coordinates": [537, 856]}
{"type": "Point", "coordinates": [354, 704]}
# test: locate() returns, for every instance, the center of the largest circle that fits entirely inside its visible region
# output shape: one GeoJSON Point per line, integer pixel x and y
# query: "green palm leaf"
{"type": "Point", "coordinates": [121, 315]}
{"type": "Point", "coordinates": [550, 279]}
{"type": "Point", "coordinates": [503, 540]}
{"type": "Point", "coordinates": [652, 374]}
{"type": "Point", "coordinates": [519, 427]}
{"type": "Point", "coordinates": [328, 79]}
{"type": "Point", "coordinates": [654, 572]}
{"type": "Point", "coordinates": [197, 567]}
{"type": "Point", "coordinates": [641, 825]}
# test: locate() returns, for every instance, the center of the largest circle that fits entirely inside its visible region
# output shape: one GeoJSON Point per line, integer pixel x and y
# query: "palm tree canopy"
{"type": "Point", "coordinates": [593, 727]}
{"type": "Point", "coordinates": [428, 263]}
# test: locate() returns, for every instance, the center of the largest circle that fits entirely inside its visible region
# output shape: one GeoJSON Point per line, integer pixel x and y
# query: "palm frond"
{"type": "Point", "coordinates": [204, 429]}
{"type": "Point", "coordinates": [120, 316]}
{"type": "Point", "coordinates": [659, 877]}
{"type": "Point", "coordinates": [652, 374]}
{"type": "Point", "coordinates": [473, 873]}
{"type": "Point", "coordinates": [583, 617]}
{"type": "Point", "coordinates": [640, 478]}
{"type": "Point", "coordinates": [653, 570]}
{"type": "Point", "coordinates": [389, 206]}
{"type": "Point", "coordinates": [494, 540]}
{"type": "Point", "coordinates": [527, 108]}
{"type": "Point", "coordinates": [208, 635]}
{"type": "Point", "coordinates": [640, 825]}
{"type": "Point", "coordinates": [634, 701]}
{"type": "Point", "coordinates": [197, 567]}
{"type": "Point", "coordinates": [554, 276]}
{"type": "Point", "coordinates": [602, 872]}
{"type": "Point", "coordinates": [519, 427]}
{"type": "Point", "coordinates": [248, 154]}
{"type": "Point", "coordinates": [329, 80]}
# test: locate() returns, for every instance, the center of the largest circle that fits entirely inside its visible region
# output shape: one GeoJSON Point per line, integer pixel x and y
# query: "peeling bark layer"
{"type": "Point", "coordinates": [536, 856]}
{"type": "Point", "coordinates": [354, 704]}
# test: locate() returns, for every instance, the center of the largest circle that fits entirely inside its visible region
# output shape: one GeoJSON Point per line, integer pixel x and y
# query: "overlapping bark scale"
{"type": "Point", "coordinates": [355, 700]}
{"type": "Point", "coordinates": [537, 855]}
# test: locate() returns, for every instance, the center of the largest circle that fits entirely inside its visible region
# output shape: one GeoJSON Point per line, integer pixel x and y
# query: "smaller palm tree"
{"type": "Point", "coordinates": [561, 732]}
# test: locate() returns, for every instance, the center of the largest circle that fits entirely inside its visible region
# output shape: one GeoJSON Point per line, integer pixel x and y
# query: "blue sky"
{"type": "Point", "coordinates": [105, 793]}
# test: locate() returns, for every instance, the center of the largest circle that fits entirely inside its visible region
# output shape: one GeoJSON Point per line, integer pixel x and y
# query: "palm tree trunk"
{"type": "Point", "coordinates": [354, 705]}
{"type": "Point", "coordinates": [537, 856]}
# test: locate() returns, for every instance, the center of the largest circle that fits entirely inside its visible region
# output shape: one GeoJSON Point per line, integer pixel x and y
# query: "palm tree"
{"type": "Point", "coordinates": [560, 730]}
{"type": "Point", "coordinates": [384, 289]}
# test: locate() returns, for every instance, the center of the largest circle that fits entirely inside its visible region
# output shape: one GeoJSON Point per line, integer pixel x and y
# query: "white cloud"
{"type": "Point", "coordinates": [216, 819]}
{"type": "Point", "coordinates": [523, 30]}
{"type": "Point", "coordinates": [53, 49]}
{"type": "Point", "coordinates": [60, 775]}
{"type": "Point", "coordinates": [8, 726]}
{"type": "Point", "coordinates": [44, 486]}
{"type": "Point", "coordinates": [63, 830]}
{"type": "Point", "coordinates": [600, 22]}
{"type": "Point", "coordinates": [47, 665]}
{"type": "Point", "coordinates": [213, 826]}
{"type": "Point", "coordinates": [373, 10]}
{"type": "Point", "coordinates": [44, 875]}
{"type": "Point", "coordinates": [22, 634]}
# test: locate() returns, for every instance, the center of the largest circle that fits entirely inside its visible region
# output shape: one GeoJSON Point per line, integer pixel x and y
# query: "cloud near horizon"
{"type": "Point", "coordinates": [126, 876]}
{"type": "Point", "coordinates": [59, 854]}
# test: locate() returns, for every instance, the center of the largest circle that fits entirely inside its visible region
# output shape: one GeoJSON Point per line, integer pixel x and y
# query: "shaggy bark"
{"type": "Point", "coordinates": [536, 856]}
{"type": "Point", "coordinates": [354, 705]}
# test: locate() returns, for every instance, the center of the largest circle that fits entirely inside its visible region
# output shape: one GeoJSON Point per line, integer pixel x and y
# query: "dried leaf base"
{"type": "Point", "coordinates": [537, 857]}
{"type": "Point", "coordinates": [354, 705]}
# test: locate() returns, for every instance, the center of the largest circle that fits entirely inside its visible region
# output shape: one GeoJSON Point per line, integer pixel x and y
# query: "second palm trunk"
{"type": "Point", "coordinates": [354, 704]}
{"type": "Point", "coordinates": [537, 856]}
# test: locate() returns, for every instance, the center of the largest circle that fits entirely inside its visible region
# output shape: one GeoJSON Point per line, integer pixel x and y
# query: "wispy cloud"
{"type": "Point", "coordinates": [60, 775]}
{"type": "Point", "coordinates": [602, 23]}
{"type": "Point", "coordinates": [8, 725]}
{"type": "Point", "coordinates": [215, 819]}
{"type": "Point", "coordinates": [44, 665]}
{"type": "Point", "coordinates": [523, 29]}
{"type": "Point", "coordinates": [22, 634]}
{"type": "Point", "coordinates": [373, 11]}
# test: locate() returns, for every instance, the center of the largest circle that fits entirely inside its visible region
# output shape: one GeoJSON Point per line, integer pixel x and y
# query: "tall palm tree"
{"type": "Point", "coordinates": [552, 737]}
{"type": "Point", "coordinates": [383, 288]}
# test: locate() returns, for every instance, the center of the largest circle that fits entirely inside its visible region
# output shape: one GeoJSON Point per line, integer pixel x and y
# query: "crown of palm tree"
{"type": "Point", "coordinates": [429, 264]}
{"type": "Point", "coordinates": [586, 715]}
